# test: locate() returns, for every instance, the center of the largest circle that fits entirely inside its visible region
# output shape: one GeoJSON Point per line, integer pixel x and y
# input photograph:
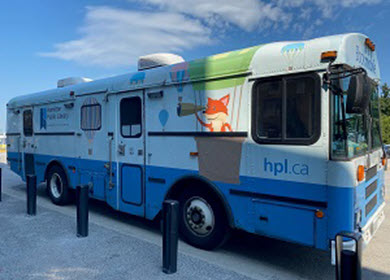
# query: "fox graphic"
{"type": "Point", "coordinates": [216, 113]}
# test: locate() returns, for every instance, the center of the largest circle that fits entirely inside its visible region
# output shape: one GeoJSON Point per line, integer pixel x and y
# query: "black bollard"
{"type": "Point", "coordinates": [170, 235]}
{"type": "Point", "coordinates": [31, 195]}
{"type": "Point", "coordinates": [348, 262]}
{"type": "Point", "coordinates": [82, 195]}
{"type": "Point", "coordinates": [0, 183]}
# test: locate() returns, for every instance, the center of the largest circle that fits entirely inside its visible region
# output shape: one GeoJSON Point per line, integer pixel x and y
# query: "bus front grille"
{"type": "Point", "coordinates": [371, 172]}
{"type": "Point", "coordinates": [371, 188]}
{"type": "Point", "coordinates": [371, 205]}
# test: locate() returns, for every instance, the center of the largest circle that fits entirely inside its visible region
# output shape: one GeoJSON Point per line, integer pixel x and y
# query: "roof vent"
{"type": "Point", "coordinates": [72, 81]}
{"type": "Point", "coordinates": [158, 60]}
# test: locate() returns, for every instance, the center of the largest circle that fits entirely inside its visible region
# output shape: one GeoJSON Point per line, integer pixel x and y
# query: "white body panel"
{"type": "Point", "coordinates": [180, 138]}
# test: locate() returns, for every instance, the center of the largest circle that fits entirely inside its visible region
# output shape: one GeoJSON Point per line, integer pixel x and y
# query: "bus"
{"type": "Point", "coordinates": [281, 140]}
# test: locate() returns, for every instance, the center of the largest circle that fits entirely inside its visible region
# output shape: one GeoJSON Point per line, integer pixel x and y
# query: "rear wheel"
{"type": "Point", "coordinates": [203, 222]}
{"type": "Point", "coordinates": [57, 185]}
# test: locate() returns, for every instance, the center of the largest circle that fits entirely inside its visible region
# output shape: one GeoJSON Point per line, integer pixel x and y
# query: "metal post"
{"type": "Point", "coordinates": [82, 195]}
{"type": "Point", "coordinates": [348, 262]}
{"type": "Point", "coordinates": [31, 195]}
{"type": "Point", "coordinates": [170, 235]}
{"type": "Point", "coordinates": [1, 181]}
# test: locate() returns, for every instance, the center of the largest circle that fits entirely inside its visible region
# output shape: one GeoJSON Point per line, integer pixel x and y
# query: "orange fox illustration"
{"type": "Point", "coordinates": [216, 113]}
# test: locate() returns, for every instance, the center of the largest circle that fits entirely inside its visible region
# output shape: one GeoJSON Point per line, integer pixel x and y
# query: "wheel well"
{"type": "Point", "coordinates": [200, 183]}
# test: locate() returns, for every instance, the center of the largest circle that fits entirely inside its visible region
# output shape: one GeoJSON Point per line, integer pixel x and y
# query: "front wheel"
{"type": "Point", "coordinates": [57, 185]}
{"type": "Point", "coordinates": [203, 222]}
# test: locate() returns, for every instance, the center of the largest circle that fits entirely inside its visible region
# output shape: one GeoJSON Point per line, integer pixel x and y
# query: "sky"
{"type": "Point", "coordinates": [46, 40]}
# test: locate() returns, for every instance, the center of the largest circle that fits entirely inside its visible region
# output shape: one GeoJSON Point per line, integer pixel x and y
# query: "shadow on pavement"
{"type": "Point", "coordinates": [301, 261]}
{"type": "Point", "coordinates": [375, 275]}
{"type": "Point", "coordinates": [290, 259]}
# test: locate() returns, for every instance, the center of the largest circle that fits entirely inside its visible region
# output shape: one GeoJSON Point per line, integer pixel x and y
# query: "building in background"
{"type": "Point", "coordinates": [2, 143]}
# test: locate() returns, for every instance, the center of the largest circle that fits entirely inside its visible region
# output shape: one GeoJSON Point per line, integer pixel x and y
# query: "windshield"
{"type": "Point", "coordinates": [362, 130]}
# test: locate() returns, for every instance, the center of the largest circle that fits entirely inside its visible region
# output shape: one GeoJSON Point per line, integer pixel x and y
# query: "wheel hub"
{"type": "Point", "coordinates": [56, 185]}
{"type": "Point", "coordinates": [199, 216]}
{"type": "Point", "coordinates": [196, 217]}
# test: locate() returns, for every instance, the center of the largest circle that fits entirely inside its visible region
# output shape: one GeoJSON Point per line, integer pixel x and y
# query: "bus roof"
{"type": "Point", "coordinates": [260, 61]}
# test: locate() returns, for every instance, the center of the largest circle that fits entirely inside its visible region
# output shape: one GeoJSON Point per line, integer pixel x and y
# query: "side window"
{"type": "Point", "coordinates": [300, 105]}
{"type": "Point", "coordinates": [28, 123]}
{"type": "Point", "coordinates": [91, 117]}
{"type": "Point", "coordinates": [131, 117]}
{"type": "Point", "coordinates": [269, 110]}
{"type": "Point", "coordinates": [287, 110]}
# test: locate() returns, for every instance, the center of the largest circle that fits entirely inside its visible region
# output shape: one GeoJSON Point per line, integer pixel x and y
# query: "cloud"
{"type": "Point", "coordinates": [246, 14]}
{"type": "Point", "coordinates": [114, 37]}
{"type": "Point", "coordinates": [324, 8]}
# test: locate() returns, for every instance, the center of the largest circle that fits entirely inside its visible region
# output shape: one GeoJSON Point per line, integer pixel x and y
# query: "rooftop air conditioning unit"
{"type": "Point", "coordinates": [72, 81]}
{"type": "Point", "coordinates": [157, 60]}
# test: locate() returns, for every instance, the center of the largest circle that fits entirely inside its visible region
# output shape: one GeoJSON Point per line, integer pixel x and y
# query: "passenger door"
{"type": "Point", "coordinates": [27, 142]}
{"type": "Point", "coordinates": [130, 152]}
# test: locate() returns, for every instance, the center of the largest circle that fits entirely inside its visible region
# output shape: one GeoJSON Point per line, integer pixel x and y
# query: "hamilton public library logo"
{"type": "Point", "coordinates": [43, 118]}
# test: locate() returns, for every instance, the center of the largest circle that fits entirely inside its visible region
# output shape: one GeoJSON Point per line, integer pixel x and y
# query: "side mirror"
{"type": "Point", "coordinates": [358, 94]}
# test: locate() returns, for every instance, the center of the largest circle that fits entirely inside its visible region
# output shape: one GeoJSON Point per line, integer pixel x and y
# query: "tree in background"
{"type": "Point", "coordinates": [385, 113]}
{"type": "Point", "coordinates": [385, 91]}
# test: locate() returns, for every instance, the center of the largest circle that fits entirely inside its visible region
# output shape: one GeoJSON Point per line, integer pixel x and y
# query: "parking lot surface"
{"type": "Point", "coordinates": [121, 246]}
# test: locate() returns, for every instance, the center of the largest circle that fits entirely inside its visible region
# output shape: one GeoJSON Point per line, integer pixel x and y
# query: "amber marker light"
{"type": "Point", "coordinates": [370, 44]}
{"type": "Point", "coordinates": [360, 173]}
{"type": "Point", "coordinates": [194, 154]}
{"type": "Point", "coordinates": [320, 214]}
{"type": "Point", "coordinates": [328, 56]}
{"type": "Point", "coordinates": [384, 161]}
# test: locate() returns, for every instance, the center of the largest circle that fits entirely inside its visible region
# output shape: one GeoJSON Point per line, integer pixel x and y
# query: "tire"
{"type": "Point", "coordinates": [203, 221]}
{"type": "Point", "coordinates": [57, 186]}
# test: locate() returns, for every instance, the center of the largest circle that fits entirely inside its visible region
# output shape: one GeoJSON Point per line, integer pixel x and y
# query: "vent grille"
{"type": "Point", "coordinates": [371, 188]}
{"type": "Point", "coordinates": [371, 205]}
{"type": "Point", "coordinates": [371, 172]}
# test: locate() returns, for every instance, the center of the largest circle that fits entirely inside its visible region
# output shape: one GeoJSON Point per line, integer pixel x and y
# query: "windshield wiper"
{"type": "Point", "coordinates": [344, 124]}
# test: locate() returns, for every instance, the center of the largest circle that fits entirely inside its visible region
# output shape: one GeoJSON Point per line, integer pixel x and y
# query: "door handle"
{"type": "Point", "coordinates": [140, 152]}
{"type": "Point", "coordinates": [121, 149]}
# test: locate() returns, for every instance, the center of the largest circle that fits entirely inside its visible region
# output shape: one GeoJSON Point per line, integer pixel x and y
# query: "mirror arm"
{"type": "Point", "coordinates": [327, 79]}
{"type": "Point", "coordinates": [346, 73]}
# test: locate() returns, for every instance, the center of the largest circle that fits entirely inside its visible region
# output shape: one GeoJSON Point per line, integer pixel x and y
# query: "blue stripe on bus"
{"type": "Point", "coordinates": [245, 209]}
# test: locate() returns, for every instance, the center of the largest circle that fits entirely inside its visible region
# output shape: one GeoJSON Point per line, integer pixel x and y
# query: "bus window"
{"type": "Point", "coordinates": [362, 130]}
{"type": "Point", "coordinates": [91, 117]}
{"type": "Point", "coordinates": [131, 117]}
{"type": "Point", "coordinates": [287, 110]}
{"type": "Point", "coordinates": [269, 115]}
{"type": "Point", "coordinates": [28, 123]}
{"type": "Point", "coordinates": [300, 106]}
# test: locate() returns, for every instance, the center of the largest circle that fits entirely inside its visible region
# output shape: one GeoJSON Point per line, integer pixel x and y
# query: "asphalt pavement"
{"type": "Point", "coordinates": [122, 246]}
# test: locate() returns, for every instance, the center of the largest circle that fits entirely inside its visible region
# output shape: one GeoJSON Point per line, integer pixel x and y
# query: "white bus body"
{"type": "Point", "coordinates": [244, 139]}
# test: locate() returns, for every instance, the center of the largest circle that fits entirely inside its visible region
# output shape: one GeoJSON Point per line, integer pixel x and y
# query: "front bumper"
{"type": "Point", "coordinates": [368, 231]}
{"type": "Point", "coordinates": [372, 225]}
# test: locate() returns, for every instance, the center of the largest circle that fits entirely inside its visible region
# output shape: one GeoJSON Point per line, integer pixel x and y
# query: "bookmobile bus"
{"type": "Point", "coordinates": [281, 140]}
